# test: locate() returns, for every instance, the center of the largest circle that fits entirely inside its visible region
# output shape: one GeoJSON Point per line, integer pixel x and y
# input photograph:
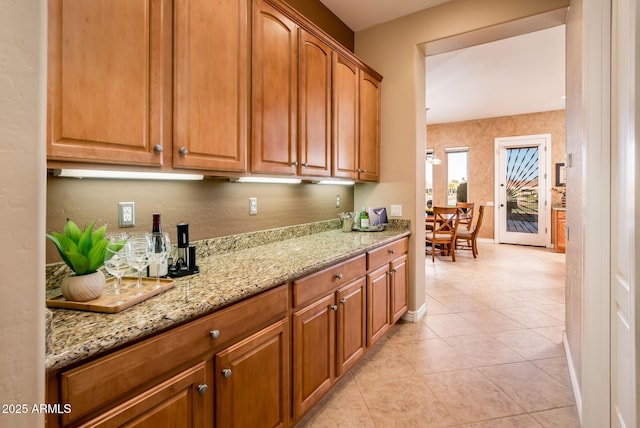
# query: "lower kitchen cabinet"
{"type": "Point", "coordinates": [182, 401]}
{"type": "Point", "coordinates": [379, 303]}
{"type": "Point", "coordinates": [251, 380]}
{"type": "Point", "coordinates": [399, 287]}
{"type": "Point", "coordinates": [351, 340]}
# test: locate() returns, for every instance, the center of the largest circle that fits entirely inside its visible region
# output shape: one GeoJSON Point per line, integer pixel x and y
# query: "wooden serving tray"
{"type": "Point", "coordinates": [108, 304]}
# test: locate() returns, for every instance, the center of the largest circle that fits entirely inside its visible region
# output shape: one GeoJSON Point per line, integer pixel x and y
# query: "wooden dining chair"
{"type": "Point", "coordinates": [470, 237]}
{"type": "Point", "coordinates": [466, 219]}
{"type": "Point", "coordinates": [443, 232]}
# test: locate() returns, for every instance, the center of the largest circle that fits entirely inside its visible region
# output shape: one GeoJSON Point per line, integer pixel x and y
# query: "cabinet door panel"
{"type": "Point", "coordinates": [369, 161]}
{"type": "Point", "coordinates": [211, 84]}
{"type": "Point", "coordinates": [378, 304]}
{"type": "Point", "coordinates": [399, 288]}
{"type": "Point", "coordinates": [313, 353]}
{"type": "Point", "coordinates": [176, 402]}
{"type": "Point", "coordinates": [345, 118]}
{"type": "Point", "coordinates": [275, 95]}
{"type": "Point", "coordinates": [109, 87]}
{"type": "Point", "coordinates": [255, 392]}
{"type": "Point", "coordinates": [352, 324]}
{"type": "Point", "coordinates": [315, 106]}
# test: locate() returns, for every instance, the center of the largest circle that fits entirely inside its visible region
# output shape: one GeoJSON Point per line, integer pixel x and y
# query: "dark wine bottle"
{"type": "Point", "coordinates": [156, 232]}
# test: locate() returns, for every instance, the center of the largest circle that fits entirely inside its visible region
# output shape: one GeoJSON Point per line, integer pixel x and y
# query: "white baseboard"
{"type": "Point", "coordinates": [415, 316]}
{"type": "Point", "coordinates": [575, 385]}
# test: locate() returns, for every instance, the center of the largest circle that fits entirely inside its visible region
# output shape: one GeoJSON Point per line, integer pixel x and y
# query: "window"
{"type": "Point", "coordinates": [457, 174]}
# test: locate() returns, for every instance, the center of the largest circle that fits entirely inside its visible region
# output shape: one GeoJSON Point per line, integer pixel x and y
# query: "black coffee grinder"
{"type": "Point", "coordinates": [186, 260]}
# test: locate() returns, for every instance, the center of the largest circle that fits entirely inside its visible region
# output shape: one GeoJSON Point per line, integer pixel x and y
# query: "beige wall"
{"type": "Point", "coordinates": [395, 50]}
{"type": "Point", "coordinates": [22, 182]}
{"type": "Point", "coordinates": [479, 136]}
{"type": "Point", "coordinates": [211, 207]}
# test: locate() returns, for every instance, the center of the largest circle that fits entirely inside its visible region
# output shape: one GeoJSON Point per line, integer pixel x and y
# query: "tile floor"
{"type": "Point", "coordinates": [488, 354]}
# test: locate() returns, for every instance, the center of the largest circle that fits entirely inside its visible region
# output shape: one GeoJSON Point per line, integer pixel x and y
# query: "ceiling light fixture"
{"type": "Point", "coordinates": [274, 180]}
{"type": "Point", "coordinates": [135, 175]}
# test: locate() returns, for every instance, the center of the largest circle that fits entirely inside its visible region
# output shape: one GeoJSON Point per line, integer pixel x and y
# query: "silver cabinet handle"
{"type": "Point", "coordinates": [364, 170]}
{"type": "Point", "coordinates": [158, 148]}
{"type": "Point", "coordinates": [334, 307]}
{"type": "Point", "coordinates": [294, 163]}
{"type": "Point", "coordinates": [214, 334]}
{"type": "Point", "coordinates": [202, 389]}
{"type": "Point", "coordinates": [343, 301]}
{"type": "Point", "coordinates": [339, 276]}
{"type": "Point", "coordinates": [226, 373]}
{"type": "Point", "coordinates": [183, 150]}
{"type": "Point", "coordinates": [392, 251]}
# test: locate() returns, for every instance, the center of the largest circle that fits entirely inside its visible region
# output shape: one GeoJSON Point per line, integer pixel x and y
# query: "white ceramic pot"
{"type": "Point", "coordinates": [81, 288]}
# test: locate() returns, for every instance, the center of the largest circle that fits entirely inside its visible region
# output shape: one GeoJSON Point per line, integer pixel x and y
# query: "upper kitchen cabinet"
{"type": "Point", "coordinates": [275, 91]}
{"type": "Point", "coordinates": [109, 81]}
{"type": "Point", "coordinates": [369, 135]}
{"type": "Point", "coordinates": [314, 107]}
{"type": "Point", "coordinates": [356, 121]}
{"type": "Point", "coordinates": [345, 118]}
{"type": "Point", "coordinates": [211, 85]}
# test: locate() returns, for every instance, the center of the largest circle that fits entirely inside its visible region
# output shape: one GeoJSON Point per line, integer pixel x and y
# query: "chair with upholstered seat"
{"type": "Point", "coordinates": [471, 236]}
{"type": "Point", "coordinates": [443, 232]}
{"type": "Point", "coordinates": [466, 217]}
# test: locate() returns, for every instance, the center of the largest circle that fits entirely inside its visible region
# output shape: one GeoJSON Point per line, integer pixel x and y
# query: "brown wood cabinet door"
{"type": "Point", "coordinates": [369, 154]}
{"type": "Point", "coordinates": [252, 387]}
{"type": "Point", "coordinates": [211, 85]}
{"type": "Point", "coordinates": [352, 324]}
{"type": "Point", "coordinates": [345, 118]}
{"type": "Point", "coordinates": [378, 304]}
{"type": "Point", "coordinates": [399, 288]}
{"type": "Point", "coordinates": [314, 107]}
{"type": "Point", "coordinates": [183, 401]}
{"type": "Point", "coordinates": [109, 81]}
{"type": "Point", "coordinates": [313, 340]}
{"type": "Point", "coordinates": [275, 95]}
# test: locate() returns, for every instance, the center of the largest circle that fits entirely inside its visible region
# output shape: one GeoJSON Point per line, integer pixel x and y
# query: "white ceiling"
{"type": "Point", "coordinates": [518, 75]}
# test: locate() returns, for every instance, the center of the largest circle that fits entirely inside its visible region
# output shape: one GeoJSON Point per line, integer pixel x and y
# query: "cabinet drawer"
{"type": "Point", "coordinates": [325, 281]}
{"type": "Point", "coordinates": [117, 376]}
{"type": "Point", "coordinates": [386, 253]}
{"type": "Point", "coordinates": [561, 214]}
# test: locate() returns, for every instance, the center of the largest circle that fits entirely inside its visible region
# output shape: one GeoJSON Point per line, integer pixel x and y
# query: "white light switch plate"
{"type": "Point", "coordinates": [396, 210]}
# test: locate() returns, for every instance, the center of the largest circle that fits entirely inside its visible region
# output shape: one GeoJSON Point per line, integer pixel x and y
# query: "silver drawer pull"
{"type": "Point", "coordinates": [214, 334]}
{"type": "Point", "coordinates": [183, 150]}
{"type": "Point", "coordinates": [226, 373]}
{"type": "Point", "coordinates": [392, 251]}
{"type": "Point", "coordinates": [202, 389]}
{"type": "Point", "coordinates": [158, 148]}
{"type": "Point", "coordinates": [339, 276]}
{"type": "Point", "coordinates": [343, 301]}
{"type": "Point", "coordinates": [334, 307]}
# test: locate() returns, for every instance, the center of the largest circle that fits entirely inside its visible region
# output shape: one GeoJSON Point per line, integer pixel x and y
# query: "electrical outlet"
{"type": "Point", "coordinates": [337, 201]}
{"type": "Point", "coordinates": [396, 210]}
{"type": "Point", "coordinates": [253, 206]}
{"type": "Point", "coordinates": [126, 214]}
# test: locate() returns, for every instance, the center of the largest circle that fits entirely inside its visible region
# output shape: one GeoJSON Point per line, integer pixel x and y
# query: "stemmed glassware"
{"type": "Point", "coordinates": [115, 262]}
{"type": "Point", "coordinates": [139, 253]}
{"type": "Point", "coordinates": [161, 249]}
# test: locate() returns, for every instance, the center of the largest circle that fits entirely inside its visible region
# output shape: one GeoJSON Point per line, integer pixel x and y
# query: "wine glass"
{"type": "Point", "coordinates": [139, 253]}
{"type": "Point", "coordinates": [161, 249]}
{"type": "Point", "coordinates": [115, 262]}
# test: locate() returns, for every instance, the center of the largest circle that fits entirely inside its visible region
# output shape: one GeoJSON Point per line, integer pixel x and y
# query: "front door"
{"type": "Point", "coordinates": [521, 215]}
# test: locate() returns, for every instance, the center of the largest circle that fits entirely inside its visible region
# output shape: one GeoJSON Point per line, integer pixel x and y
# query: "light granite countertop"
{"type": "Point", "coordinates": [223, 279]}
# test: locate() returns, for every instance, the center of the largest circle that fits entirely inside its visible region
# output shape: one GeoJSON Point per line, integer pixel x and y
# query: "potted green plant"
{"type": "Point", "coordinates": [84, 252]}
